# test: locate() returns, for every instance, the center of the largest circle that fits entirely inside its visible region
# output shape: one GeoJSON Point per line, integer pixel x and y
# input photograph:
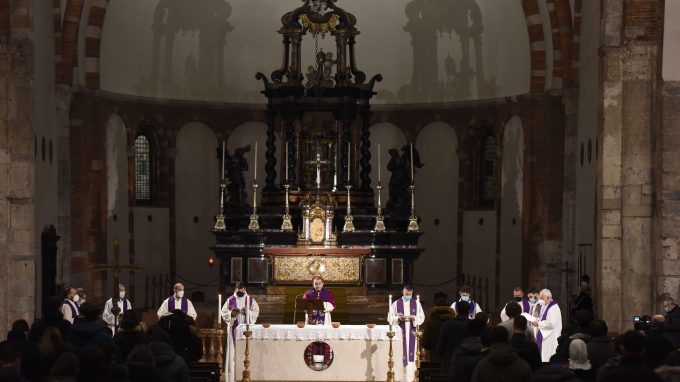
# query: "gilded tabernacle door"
{"type": "Point", "coordinates": [299, 265]}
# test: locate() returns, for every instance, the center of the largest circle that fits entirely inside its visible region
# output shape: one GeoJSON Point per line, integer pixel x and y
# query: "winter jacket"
{"type": "Point", "coordinates": [627, 369]}
{"type": "Point", "coordinates": [126, 340]}
{"type": "Point", "coordinates": [451, 335]}
{"type": "Point", "coordinates": [171, 367]}
{"type": "Point", "coordinates": [87, 333]}
{"type": "Point", "coordinates": [502, 365]}
{"type": "Point", "coordinates": [527, 350]}
{"type": "Point", "coordinates": [432, 327]}
{"type": "Point", "coordinates": [600, 350]}
{"type": "Point", "coordinates": [465, 359]}
{"type": "Point", "coordinates": [554, 373]}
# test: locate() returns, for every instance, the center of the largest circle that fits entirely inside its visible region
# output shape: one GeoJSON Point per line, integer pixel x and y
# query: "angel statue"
{"type": "Point", "coordinates": [400, 167]}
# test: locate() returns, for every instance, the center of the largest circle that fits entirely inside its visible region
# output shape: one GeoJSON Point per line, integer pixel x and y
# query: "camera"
{"type": "Point", "coordinates": [642, 322]}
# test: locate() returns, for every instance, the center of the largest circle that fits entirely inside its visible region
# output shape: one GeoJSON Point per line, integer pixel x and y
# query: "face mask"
{"type": "Point", "coordinates": [240, 294]}
{"type": "Point", "coordinates": [465, 298]}
{"type": "Point", "coordinates": [518, 299]}
{"type": "Point", "coordinates": [81, 302]}
{"type": "Point", "coordinates": [533, 300]}
{"type": "Point", "coordinates": [667, 309]}
{"type": "Point", "coordinates": [180, 294]}
{"type": "Point", "coordinates": [76, 298]}
{"type": "Point", "coordinates": [121, 294]}
{"type": "Point", "coordinates": [407, 298]}
{"type": "Point", "coordinates": [541, 301]}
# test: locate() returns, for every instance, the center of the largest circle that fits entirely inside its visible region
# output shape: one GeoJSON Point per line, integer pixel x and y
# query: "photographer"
{"type": "Point", "coordinates": [672, 319]}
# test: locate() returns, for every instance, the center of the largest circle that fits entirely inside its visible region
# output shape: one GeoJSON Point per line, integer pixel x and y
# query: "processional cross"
{"type": "Point", "coordinates": [116, 268]}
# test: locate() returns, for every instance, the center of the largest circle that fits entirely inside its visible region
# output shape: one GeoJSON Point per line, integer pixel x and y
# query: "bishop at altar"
{"type": "Point", "coordinates": [320, 317]}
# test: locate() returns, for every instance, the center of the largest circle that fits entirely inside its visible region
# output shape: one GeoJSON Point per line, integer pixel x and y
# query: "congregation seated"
{"type": "Point", "coordinates": [29, 353]}
{"type": "Point", "coordinates": [88, 331]}
{"type": "Point", "coordinates": [502, 363]}
{"type": "Point", "coordinates": [439, 314]}
{"type": "Point", "coordinates": [601, 347]}
{"type": "Point", "coordinates": [452, 334]}
{"type": "Point", "coordinates": [471, 350]}
{"type": "Point", "coordinates": [526, 348]}
{"type": "Point", "coordinates": [185, 341]}
{"type": "Point", "coordinates": [129, 335]}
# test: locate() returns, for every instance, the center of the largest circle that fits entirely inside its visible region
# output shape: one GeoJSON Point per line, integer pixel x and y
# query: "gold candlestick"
{"type": "Point", "coordinates": [349, 219]}
{"type": "Point", "coordinates": [220, 345]}
{"type": "Point", "coordinates": [254, 224]}
{"type": "Point", "coordinates": [413, 219]}
{"type": "Point", "coordinates": [390, 362]}
{"type": "Point", "coordinates": [419, 335]}
{"type": "Point", "coordinates": [246, 360]}
{"type": "Point", "coordinates": [287, 224]}
{"type": "Point", "coordinates": [220, 225]}
{"type": "Point", "coordinates": [379, 218]}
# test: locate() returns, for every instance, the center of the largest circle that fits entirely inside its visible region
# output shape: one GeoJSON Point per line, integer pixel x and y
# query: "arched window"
{"type": "Point", "coordinates": [143, 169]}
{"type": "Point", "coordinates": [487, 172]}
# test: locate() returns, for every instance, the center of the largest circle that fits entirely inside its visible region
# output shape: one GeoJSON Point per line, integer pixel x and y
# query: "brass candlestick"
{"type": "Point", "coordinates": [413, 219]}
{"type": "Point", "coordinates": [349, 219]}
{"type": "Point", "coordinates": [419, 335]}
{"type": "Point", "coordinates": [379, 218]}
{"type": "Point", "coordinates": [254, 224]}
{"type": "Point", "coordinates": [390, 362]}
{"type": "Point", "coordinates": [246, 360]}
{"type": "Point", "coordinates": [287, 224]}
{"type": "Point", "coordinates": [220, 225]}
{"type": "Point", "coordinates": [220, 345]}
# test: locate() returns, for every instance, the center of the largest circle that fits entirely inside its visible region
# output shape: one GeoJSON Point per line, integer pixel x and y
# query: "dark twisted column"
{"type": "Point", "coordinates": [365, 174]}
{"type": "Point", "coordinates": [290, 141]}
{"type": "Point", "coordinates": [346, 142]}
{"type": "Point", "coordinates": [270, 156]}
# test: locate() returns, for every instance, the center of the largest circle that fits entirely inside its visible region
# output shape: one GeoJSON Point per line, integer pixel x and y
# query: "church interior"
{"type": "Point", "coordinates": [379, 144]}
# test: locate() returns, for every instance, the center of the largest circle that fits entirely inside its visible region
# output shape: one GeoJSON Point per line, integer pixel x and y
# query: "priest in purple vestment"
{"type": "Point", "coordinates": [465, 296]}
{"type": "Point", "coordinates": [69, 308]}
{"type": "Point", "coordinates": [320, 317]}
{"type": "Point", "coordinates": [177, 301]}
{"type": "Point", "coordinates": [407, 313]}
{"type": "Point", "coordinates": [518, 295]}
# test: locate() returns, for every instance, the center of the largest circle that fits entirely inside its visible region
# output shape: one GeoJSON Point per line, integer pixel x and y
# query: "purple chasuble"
{"type": "Point", "coordinates": [525, 306]}
{"type": "Point", "coordinates": [539, 336]}
{"type": "Point", "coordinates": [74, 311]}
{"type": "Point", "coordinates": [318, 316]}
{"type": "Point", "coordinates": [412, 335]}
{"type": "Point", "coordinates": [231, 303]}
{"type": "Point", "coordinates": [471, 313]}
{"type": "Point", "coordinates": [184, 306]}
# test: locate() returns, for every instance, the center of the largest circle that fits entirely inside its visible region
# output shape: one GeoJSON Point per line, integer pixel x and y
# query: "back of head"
{"type": "Point", "coordinates": [578, 351]}
{"type": "Point", "coordinates": [513, 309]}
{"type": "Point", "coordinates": [130, 320]}
{"type": "Point", "coordinates": [498, 334]}
{"type": "Point", "coordinates": [141, 353]}
{"type": "Point", "coordinates": [598, 328]}
{"type": "Point", "coordinates": [89, 311]}
{"type": "Point", "coordinates": [91, 361]}
{"type": "Point", "coordinates": [559, 359]}
{"type": "Point", "coordinates": [484, 316]}
{"type": "Point", "coordinates": [633, 342]}
{"type": "Point", "coordinates": [475, 327]}
{"type": "Point", "coordinates": [20, 326]}
{"type": "Point", "coordinates": [520, 323]}
{"type": "Point", "coordinates": [462, 308]}
{"type": "Point", "coordinates": [65, 366]}
{"type": "Point", "coordinates": [157, 334]}
{"type": "Point", "coordinates": [440, 299]}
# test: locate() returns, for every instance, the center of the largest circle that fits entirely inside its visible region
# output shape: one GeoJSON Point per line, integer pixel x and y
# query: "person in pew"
{"type": "Point", "coordinates": [452, 334]}
{"type": "Point", "coordinates": [320, 317]}
{"type": "Point", "coordinates": [502, 363]}
{"type": "Point", "coordinates": [473, 307]}
{"type": "Point", "coordinates": [439, 314]}
{"type": "Point", "coordinates": [514, 311]}
{"type": "Point", "coordinates": [470, 352]}
{"type": "Point", "coordinates": [526, 348]}
{"type": "Point", "coordinates": [408, 314]}
{"type": "Point", "coordinates": [239, 309]}
{"type": "Point", "coordinates": [177, 301]}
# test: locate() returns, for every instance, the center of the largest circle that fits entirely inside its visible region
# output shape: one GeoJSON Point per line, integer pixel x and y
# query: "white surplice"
{"type": "Point", "coordinates": [108, 317]}
{"type": "Point", "coordinates": [67, 312]}
{"type": "Point", "coordinates": [393, 319]}
{"type": "Point", "coordinates": [252, 312]}
{"type": "Point", "coordinates": [478, 309]}
{"type": "Point", "coordinates": [163, 310]}
{"type": "Point", "coordinates": [550, 328]}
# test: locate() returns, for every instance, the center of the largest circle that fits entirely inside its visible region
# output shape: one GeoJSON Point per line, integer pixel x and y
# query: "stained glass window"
{"type": "Point", "coordinates": [143, 174]}
{"type": "Point", "coordinates": [487, 171]}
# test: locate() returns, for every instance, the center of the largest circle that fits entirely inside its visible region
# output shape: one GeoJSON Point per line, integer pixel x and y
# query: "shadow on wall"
{"type": "Point", "coordinates": [206, 20]}
{"type": "Point", "coordinates": [432, 25]}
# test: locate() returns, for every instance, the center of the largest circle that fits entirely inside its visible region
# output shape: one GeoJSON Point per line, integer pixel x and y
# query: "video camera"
{"type": "Point", "coordinates": [642, 322]}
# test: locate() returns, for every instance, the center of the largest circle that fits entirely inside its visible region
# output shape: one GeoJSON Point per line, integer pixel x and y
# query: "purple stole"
{"type": "Point", "coordinates": [74, 312]}
{"type": "Point", "coordinates": [125, 305]}
{"type": "Point", "coordinates": [231, 303]}
{"type": "Point", "coordinates": [402, 325]}
{"type": "Point", "coordinates": [184, 305]}
{"type": "Point", "coordinates": [318, 315]}
{"type": "Point", "coordinates": [471, 313]}
{"type": "Point", "coordinates": [526, 307]}
{"type": "Point", "coordinates": [539, 337]}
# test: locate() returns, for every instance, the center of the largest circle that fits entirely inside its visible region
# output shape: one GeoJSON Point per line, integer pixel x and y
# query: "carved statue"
{"type": "Point", "coordinates": [400, 167]}
{"type": "Point", "coordinates": [236, 166]}
{"type": "Point", "coordinates": [312, 77]}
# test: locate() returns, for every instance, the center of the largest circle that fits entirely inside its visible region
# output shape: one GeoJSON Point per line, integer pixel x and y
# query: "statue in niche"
{"type": "Point", "coordinates": [400, 168]}
{"type": "Point", "coordinates": [236, 188]}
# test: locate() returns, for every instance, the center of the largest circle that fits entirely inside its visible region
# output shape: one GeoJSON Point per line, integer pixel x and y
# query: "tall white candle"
{"type": "Point", "coordinates": [255, 177]}
{"type": "Point", "coordinates": [389, 315]}
{"type": "Point", "coordinates": [417, 309]}
{"type": "Point", "coordinates": [224, 150]}
{"type": "Point", "coordinates": [379, 165]}
{"type": "Point", "coordinates": [349, 161]}
{"type": "Point", "coordinates": [286, 163]}
{"type": "Point", "coordinates": [411, 162]}
{"type": "Point", "coordinates": [219, 307]}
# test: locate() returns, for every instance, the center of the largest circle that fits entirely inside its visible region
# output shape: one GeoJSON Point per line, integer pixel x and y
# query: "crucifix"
{"type": "Point", "coordinates": [116, 268]}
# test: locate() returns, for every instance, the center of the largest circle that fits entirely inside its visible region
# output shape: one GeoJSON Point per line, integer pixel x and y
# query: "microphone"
{"type": "Point", "coordinates": [295, 308]}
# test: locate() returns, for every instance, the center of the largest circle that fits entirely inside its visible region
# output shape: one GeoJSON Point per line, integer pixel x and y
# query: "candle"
{"type": "Point", "coordinates": [379, 163]}
{"type": "Point", "coordinates": [219, 307]}
{"type": "Point", "coordinates": [411, 162]}
{"type": "Point", "coordinates": [255, 177]}
{"type": "Point", "coordinates": [349, 161]}
{"type": "Point", "coordinates": [223, 154]}
{"type": "Point", "coordinates": [286, 162]}
{"type": "Point", "coordinates": [389, 315]}
{"type": "Point", "coordinates": [417, 310]}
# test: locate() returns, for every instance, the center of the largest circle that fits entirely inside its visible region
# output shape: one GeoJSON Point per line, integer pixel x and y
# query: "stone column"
{"type": "Point", "coordinates": [17, 168]}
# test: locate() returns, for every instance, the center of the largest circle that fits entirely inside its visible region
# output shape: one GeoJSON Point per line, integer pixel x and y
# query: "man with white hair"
{"type": "Point", "coordinates": [177, 301]}
{"type": "Point", "coordinates": [548, 324]}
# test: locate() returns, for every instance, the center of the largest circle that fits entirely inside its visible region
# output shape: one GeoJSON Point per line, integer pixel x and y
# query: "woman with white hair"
{"type": "Point", "coordinates": [578, 361]}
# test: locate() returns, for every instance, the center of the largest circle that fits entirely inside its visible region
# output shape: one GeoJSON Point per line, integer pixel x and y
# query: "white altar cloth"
{"type": "Point", "coordinates": [359, 353]}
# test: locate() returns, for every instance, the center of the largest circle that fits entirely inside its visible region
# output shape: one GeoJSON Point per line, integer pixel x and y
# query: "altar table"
{"type": "Point", "coordinates": [360, 353]}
